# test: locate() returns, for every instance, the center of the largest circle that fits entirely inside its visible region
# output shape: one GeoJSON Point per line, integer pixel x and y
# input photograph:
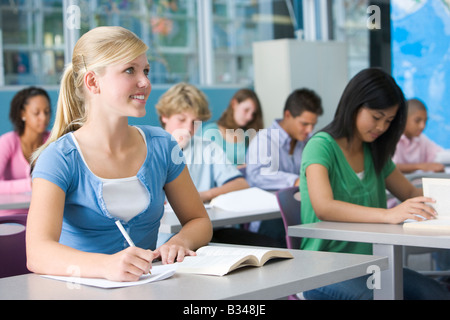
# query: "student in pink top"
{"type": "Point", "coordinates": [414, 150]}
{"type": "Point", "coordinates": [30, 114]}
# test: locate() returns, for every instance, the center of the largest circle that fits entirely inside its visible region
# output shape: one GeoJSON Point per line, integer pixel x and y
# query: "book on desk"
{"type": "Point", "coordinates": [210, 260]}
{"type": "Point", "coordinates": [439, 190]}
{"type": "Point", "coordinates": [220, 260]}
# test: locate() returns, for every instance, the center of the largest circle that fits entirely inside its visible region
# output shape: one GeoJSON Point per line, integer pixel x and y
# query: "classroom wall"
{"type": "Point", "coordinates": [218, 98]}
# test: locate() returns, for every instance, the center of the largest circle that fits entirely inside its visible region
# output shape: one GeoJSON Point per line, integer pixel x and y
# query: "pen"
{"type": "Point", "coordinates": [125, 235]}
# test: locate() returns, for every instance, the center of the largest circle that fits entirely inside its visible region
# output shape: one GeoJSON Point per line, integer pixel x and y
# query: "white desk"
{"type": "Point", "coordinates": [277, 279]}
{"type": "Point", "coordinates": [388, 240]}
{"type": "Point", "coordinates": [219, 218]}
{"type": "Point", "coordinates": [7, 229]}
{"type": "Point", "coordinates": [169, 222]}
{"type": "Point", "coordinates": [15, 201]}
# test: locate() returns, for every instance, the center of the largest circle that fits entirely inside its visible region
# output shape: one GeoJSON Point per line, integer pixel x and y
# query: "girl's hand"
{"type": "Point", "coordinates": [433, 167]}
{"type": "Point", "coordinates": [414, 208]}
{"type": "Point", "coordinates": [206, 195]}
{"type": "Point", "coordinates": [171, 252]}
{"type": "Point", "coordinates": [129, 264]}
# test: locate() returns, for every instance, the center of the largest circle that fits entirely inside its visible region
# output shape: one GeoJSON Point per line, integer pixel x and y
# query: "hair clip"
{"type": "Point", "coordinates": [84, 62]}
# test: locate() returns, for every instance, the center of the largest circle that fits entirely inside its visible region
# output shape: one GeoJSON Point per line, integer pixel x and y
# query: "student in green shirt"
{"type": "Point", "coordinates": [345, 171]}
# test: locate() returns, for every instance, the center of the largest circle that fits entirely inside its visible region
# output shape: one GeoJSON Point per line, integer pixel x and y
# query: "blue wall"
{"type": "Point", "coordinates": [218, 101]}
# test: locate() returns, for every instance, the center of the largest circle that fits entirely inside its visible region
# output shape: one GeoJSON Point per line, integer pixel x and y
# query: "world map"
{"type": "Point", "coordinates": [421, 59]}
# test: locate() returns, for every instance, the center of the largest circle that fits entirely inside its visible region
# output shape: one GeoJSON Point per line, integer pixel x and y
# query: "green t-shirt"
{"type": "Point", "coordinates": [370, 191]}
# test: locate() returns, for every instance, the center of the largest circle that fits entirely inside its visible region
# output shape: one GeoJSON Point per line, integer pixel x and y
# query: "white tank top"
{"type": "Point", "coordinates": [125, 198]}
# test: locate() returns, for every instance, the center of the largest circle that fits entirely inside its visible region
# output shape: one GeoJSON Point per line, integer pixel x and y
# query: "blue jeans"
{"type": "Point", "coordinates": [442, 259]}
{"type": "Point", "coordinates": [415, 287]}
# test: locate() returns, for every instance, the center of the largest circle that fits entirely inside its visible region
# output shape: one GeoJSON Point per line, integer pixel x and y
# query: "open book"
{"type": "Point", "coordinates": [220, 260]}
{"type": "Point", "coordinates": [439, 190]}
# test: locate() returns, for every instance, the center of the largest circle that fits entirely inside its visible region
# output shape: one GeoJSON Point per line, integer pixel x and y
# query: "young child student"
{"type": "Point", "coordinates": [275, 154]}
{"type": "Point", "coordinates": [415, 151]}
{"type": "Point", "coordinates": [346, 169]}
{"type": "Point", "coordinates": [238, 124]}
{"type": "Point", "coordinates": [30, 114]}
{"type": "Point", "coordinates": [180, 109]}
{"type": "Point", "coordinates": [96, 170]}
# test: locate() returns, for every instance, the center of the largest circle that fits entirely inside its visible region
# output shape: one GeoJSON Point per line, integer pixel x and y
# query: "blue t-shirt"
{"type": "Point", "coordinates": [87, 224]}
{"type": "Point", "coordinates": [208, 164]}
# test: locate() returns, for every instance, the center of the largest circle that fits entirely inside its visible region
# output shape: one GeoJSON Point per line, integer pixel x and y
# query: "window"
{"type": "Point", "coordinates": [32, 42]}
{"type": "Point", "coordinates": [168, 27]}
{"type": "Point", "coordinates": [236, 25]}
{"type": "Point", "coordinates": [350, 25]}
{"type": "Point", "coordinates": [208, 42]}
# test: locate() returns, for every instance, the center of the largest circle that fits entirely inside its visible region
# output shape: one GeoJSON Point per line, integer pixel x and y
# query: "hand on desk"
{"type": "Point", "coordinates": [172, 252]}
{"type": "Point", "coordinates": [414, 208]}
{"type": "Point", "coordinates": [433, 167]}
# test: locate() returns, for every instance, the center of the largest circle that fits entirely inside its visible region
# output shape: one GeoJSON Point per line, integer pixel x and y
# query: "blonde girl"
{"type": "Point", "coordinates": [95, 169]}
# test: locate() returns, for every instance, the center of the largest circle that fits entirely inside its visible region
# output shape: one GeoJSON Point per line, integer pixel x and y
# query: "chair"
{"type": "Point", "coordinates": [12, 248]}
{"type": "Point", "coordinates": [289, 202]}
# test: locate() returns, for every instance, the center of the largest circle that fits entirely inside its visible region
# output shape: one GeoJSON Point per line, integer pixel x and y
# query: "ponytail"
{"type": "Point", "coordinates": [95, 50]}
{"type": "Point", "coordinates": [70, 110]}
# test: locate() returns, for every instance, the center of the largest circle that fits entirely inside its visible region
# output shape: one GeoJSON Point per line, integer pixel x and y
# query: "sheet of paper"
{"type": "Point", "coordinates": [247, 200]}
{"type": "Point", "coordinates": [443, 157]}
{"type": "Point", "coordinates": [158, 273]}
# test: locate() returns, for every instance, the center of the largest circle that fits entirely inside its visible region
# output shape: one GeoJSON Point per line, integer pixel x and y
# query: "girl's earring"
{"type": "Point", "coordinates": [23, 119]}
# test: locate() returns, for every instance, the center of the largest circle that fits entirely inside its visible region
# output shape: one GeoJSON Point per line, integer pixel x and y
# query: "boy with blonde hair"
{"type": "Point", "coordinates": [181, 110]}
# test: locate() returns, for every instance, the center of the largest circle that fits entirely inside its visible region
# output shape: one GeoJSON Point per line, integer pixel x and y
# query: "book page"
{"type": "Point", "coordinates": [434, 227]}
{"type": "Point", "coordinates": [213, 265]}
{"type": "Point", "coordinates": [219, 260]}
{"type": "Point", "coordinates": [262, 255]}
{"type": "Point", "coordinates": [158, 273]}
{"type": "Point", "coordinates": [230, 251]}
{"type": "Point", "coordinates": [439, 190]}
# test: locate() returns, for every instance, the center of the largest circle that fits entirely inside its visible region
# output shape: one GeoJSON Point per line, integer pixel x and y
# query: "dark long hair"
{"type": "Point", "coordinates": [374, 89]}
{"type": "Point", "coordinates": [18, 103]}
